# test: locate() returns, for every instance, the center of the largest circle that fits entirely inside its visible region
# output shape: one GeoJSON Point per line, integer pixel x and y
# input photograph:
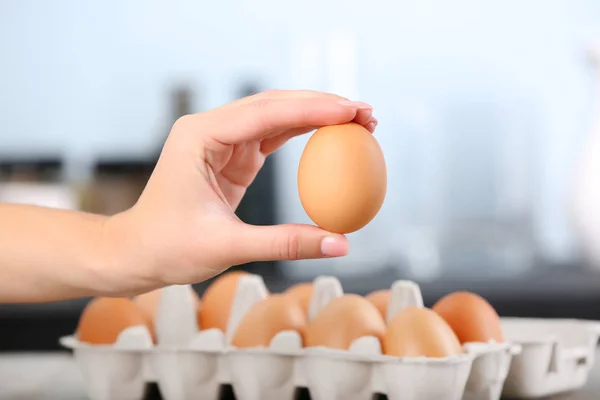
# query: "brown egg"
{"type": "Point", "coordinates": [267, 318]}
{"type": "Point", "coordinates": [471, 317]}
{"type": "Point", "coordinates": [420, 332]}
{"type": "Point", "coordinates": [380, 299]}
{"type": "Point", "coordinates": [104, 318]}
{"type": "Point", "coordinates": [303, 293]}
{"type": "Point", "coordinates": [217, 300]}
{"type": "Point", "coordinates": [344, 320]}
{"type": "Point", "coordinates": [148, 302]}
{"type": "Point", "coordinates": [342, 178]}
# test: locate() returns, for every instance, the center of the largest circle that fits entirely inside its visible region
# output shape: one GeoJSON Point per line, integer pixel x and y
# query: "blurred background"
{"type": "Point", "coordinates": [486, 115]}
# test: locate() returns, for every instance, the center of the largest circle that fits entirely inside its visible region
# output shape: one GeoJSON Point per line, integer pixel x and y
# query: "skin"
{"type": "Point", "coordinates": [183, 228]}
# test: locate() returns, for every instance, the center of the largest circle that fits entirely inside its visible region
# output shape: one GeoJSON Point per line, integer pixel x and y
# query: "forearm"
{"type": "Point", "coordinates": [48, 254]}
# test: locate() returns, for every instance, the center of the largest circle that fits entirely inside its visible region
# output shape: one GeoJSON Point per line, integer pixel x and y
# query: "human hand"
{"type": "Point", "coordinates": [184, 230]}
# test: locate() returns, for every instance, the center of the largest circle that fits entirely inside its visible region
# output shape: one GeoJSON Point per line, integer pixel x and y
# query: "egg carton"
{"type": "Point", "coordinates": [188, 363]}
{"type": "Point", "coordinates": [556, 355]}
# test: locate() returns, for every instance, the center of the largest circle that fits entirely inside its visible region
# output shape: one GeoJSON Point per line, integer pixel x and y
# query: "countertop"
{"type": "Point", "coordinates": [54, 376]}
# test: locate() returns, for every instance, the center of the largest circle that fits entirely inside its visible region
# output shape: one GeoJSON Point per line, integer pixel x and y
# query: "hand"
{"type": "Point", "coordinates": [183, 228]}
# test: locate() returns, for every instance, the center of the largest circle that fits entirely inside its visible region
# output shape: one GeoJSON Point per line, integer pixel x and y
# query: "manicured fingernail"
{"type": "Point", "coordinates": [357, 104]}
{"type": "Point", "coordinates": [332, 246]}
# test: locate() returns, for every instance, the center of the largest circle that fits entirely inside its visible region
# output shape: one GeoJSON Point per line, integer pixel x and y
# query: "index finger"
{"type": "Point", "coordinates": [284, 94]}
{"type": "Point", "coordinates": [268, 117]}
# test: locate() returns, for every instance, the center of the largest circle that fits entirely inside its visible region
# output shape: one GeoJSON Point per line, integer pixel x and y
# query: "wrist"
{"type": "Point", "coordinates": [123, 269]}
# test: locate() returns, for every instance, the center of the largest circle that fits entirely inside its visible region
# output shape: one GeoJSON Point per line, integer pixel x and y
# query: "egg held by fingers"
{"type": "Point", "coordinates": [342, 178]}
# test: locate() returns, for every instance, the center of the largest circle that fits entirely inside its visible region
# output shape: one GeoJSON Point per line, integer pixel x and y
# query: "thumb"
{"type": "Point", "coordinates": [288, 242]}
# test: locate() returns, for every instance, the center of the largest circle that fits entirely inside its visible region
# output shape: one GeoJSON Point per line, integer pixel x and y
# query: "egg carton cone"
{"type": "Point", "coordinates": [186, 362]}
{"type": "Point", "coordinates": [261, 373]}
{"type": "Point", "coordinates": [113, 372]}
{"type": "Point", "coordinates": [175, 322]}
{"type": "Point", "coordinates": [489, 370]}
{"type": "Point", "coordinates": [556, 355]}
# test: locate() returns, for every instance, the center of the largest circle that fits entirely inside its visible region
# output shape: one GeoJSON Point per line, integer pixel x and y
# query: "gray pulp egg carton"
{"type": "Point", "coordinates": [188, 363]}
{"type": "Point", "coordinates": [556, 356]}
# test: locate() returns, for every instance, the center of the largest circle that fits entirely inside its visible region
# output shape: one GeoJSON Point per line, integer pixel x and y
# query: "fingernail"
{"type": "Point", "coordinates": [371, 127]}
{"type": "Point", "coordinates": [358, 104]}
{"type": "Point", "coordinates": [374, 121]}
{"type": "Point", "coordinates": [334, 247]}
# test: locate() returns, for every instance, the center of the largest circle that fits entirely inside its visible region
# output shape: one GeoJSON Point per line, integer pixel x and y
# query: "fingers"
{"type": "Point", "coordinates": [363, 116]}
{"type": "Point", "coordinates": [372, 124]}
{"type": "Point", "coordinates": [270, 145]}
{"type": "Point", "coordinates": [287, 242]}
{"type": "Point", "coordinates": [285, 94]}
{"type": "Point", "coordinates": [259, 119]}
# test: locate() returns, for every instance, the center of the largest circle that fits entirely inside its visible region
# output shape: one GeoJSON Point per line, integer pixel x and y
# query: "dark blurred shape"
{"type": "Point", "coordinates": [302, 393]}
{"type": "Point", "coordinates": [248, 88]}
{"type": "Point", "coordinates": [116, 185]}
{"type": "Point", "coordinates": [181, 100]}
{"type": "Point", "coordinates": [226, 393]}
{"type": "Point", "coordinates": [43, 169]}
{"type": "Point", "coordinates": [152, 392]}
{"type": "Point", "coordinates": [37, 327]}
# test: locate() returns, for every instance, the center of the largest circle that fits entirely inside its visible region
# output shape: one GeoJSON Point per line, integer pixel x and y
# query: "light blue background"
{"type": "Point", "coordinates": [459, 79]}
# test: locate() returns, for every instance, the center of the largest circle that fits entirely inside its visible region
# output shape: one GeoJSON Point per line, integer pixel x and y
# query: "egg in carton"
{"type": "Point", "coordinates": [557, 355]}
{"type": "Point", "coordinates": [113, 370]}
